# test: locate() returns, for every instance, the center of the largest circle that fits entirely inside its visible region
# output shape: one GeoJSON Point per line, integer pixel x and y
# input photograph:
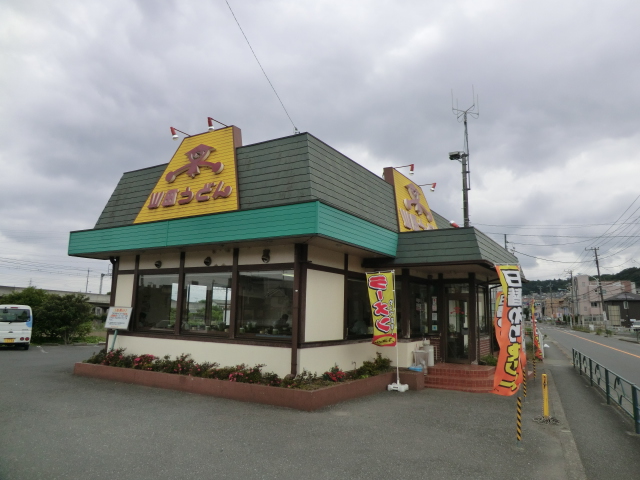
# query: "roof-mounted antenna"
{"type": "Point", "coordinates": [474, 112]}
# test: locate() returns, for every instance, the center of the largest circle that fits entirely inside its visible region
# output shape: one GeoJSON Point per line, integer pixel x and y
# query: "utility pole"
{"type": "Point", "coordinates": [571, 318]}
{"type": "Point", "coordinates": [604, 313]}
{"type": "Point", "coordinates": [550, 301]}
{"type": "Point", "coordinates": [86, 288]}
{"type": "Point", "coordinates": [505, 241]}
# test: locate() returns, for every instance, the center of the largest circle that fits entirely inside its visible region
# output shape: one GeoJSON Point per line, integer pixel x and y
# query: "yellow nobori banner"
{"type": "Point", "coordinates": [381, 288]}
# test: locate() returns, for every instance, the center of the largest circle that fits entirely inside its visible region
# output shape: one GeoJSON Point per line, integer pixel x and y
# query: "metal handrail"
{"type": "Point", "coordinates": [624, 393]}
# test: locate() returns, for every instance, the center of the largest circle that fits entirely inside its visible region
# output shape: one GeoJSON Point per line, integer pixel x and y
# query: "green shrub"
{"type": "Point", "coordinates": [489, 360]}
{"type": "Point", "coordinates": [185, 365]}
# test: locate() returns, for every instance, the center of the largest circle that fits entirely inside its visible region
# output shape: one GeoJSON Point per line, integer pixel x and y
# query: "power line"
{"type": "Point", "coordinates": [526, 226]}
{"type": "Point", "coordinates": [547, 259]}
{"type": "Point", "coordinates": [295, 129]}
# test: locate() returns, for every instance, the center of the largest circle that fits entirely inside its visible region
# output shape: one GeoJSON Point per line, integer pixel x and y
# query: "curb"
{"type": "Point", "coordinates": [574, 467]}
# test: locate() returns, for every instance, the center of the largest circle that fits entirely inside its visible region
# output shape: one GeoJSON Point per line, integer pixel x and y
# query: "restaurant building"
{"type": "Point", "coordinates": [257, 254]}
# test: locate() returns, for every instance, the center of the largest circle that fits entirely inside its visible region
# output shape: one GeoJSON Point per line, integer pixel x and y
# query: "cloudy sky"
{"type": "Point", "coordinates": [89, 89]}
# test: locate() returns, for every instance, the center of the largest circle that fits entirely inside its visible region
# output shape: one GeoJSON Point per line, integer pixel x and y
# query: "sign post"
{"type": "Point", "coordinates": [118, 319]}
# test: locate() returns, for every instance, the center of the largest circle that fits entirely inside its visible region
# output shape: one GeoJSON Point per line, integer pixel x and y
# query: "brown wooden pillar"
{"type": "Point", "coordinates": [299, 294]}
{"type": "Point", "coordinates": [179, 300]}
{"type": "Point", "coordinates": [473, 319]}
{"type": "Point", "coordinates": [134, 294]}
{"type": "Point", "coordinates": [443, 323]}
{"type": "Point", "coordinates": [405, 304]}
{"type": "Point", "coordinates": [345, 307]}
{"type": "Point", "coordinates": [235, 294]}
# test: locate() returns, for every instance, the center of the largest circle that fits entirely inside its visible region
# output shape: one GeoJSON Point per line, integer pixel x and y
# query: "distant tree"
{"type": "Point", "coordinates": [31, 296]}
{"type": "Point", "coordinates": [64, 317]}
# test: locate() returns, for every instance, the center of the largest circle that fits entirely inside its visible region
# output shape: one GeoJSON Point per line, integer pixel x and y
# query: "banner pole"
{"type": "Point", "coordinates": [398, 362]}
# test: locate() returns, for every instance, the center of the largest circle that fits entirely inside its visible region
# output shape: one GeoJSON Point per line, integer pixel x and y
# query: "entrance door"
{"type": "Point", "coordinates": [458, 331]}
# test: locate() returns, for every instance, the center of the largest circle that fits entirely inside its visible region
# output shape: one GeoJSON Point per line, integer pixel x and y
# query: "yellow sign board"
{"type": "Point", "coordinates": [200, 179]}
{"type": "Point", "coordinates": [413, 210]}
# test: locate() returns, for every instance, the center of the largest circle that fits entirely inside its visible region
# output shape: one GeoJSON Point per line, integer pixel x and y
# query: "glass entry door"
{"type": "Point", "coordinates": [458, 331]}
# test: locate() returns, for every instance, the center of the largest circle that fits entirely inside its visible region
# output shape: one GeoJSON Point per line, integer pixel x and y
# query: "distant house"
{"type": "Point", "coordinates": [587, 295]}
{"type": "Point", "coordinates": [623, 308]}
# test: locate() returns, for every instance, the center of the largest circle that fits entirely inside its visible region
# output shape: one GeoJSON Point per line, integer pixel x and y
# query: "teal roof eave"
{"type": "Point", "coordinates": [302, 219]}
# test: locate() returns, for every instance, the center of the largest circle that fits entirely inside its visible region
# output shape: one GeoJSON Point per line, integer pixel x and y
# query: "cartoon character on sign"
{"type": "Point", "coordinates": [197, 158]}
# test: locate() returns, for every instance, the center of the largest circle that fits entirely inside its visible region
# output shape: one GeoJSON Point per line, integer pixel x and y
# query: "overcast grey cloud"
{"type": "Point", "coordinates": [89, 89]}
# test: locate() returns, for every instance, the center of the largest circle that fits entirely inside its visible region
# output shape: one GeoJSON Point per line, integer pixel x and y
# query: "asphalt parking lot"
{"type": "Point", "coordinates": [57, 426]}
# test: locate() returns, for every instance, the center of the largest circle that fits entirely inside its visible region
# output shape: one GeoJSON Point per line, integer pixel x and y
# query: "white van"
{"type": "Point", "coordinates": [16, 322]}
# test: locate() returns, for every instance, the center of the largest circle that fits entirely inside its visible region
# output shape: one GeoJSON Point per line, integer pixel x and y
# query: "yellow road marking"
{"type": "Point", "coordinates": [597, 343]}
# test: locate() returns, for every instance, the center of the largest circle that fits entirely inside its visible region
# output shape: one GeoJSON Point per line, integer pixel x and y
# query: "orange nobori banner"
{"type": "Point", "coordinates": [381, 286]}
{"type": "Point", "coordinates": [509, 332]}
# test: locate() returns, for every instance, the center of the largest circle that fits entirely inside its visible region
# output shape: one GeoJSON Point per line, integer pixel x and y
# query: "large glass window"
{"type": "Point", "coordinates": [266, 301]}
{"type": "Point", "coordinates": [207, 303]}
{"type": "Point", "coordinates": [482, 317]}
{"type": "Point", "coordinates": [359, 323]}
{"type": "Point", "coordinates": [419, 308]}
{"type": "Point", "coordinates": [156, 299]}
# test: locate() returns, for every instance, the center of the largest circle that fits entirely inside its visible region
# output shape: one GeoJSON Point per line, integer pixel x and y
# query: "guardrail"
{"type": "Point", "coordinates": [616, 388]}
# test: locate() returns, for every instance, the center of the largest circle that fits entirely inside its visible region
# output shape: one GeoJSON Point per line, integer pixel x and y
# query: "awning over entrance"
{"type": "Point", "coordinates": [450, 248]}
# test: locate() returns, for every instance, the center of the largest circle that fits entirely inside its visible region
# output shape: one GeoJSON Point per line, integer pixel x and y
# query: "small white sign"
{"type": "Point", "coordinates": [118, 318]}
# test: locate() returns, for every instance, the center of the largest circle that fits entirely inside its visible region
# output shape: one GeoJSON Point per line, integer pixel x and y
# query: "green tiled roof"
{"type": "Point", "coordinates": [452, 245]}
{"type": "Point", "coordinates": [127, 199]}
{"type": "Point", "coordinates": [284, 171]}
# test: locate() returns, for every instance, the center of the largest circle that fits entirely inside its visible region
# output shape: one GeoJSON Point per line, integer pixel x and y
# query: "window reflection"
{"type": "Point", "coordinates": [359, 323]}
{"type": "Point", "coordinates": [156, 302]}
{"type": "Point", "coordinates": [265, 300]}
{"type": "Point", "coordinates": [207, 303]}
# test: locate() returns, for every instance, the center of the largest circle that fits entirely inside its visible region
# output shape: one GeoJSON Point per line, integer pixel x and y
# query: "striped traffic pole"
{"type": "Point", "coordinates": [519, 421]}
{"type": "Point", "coordinates": [524, 382]}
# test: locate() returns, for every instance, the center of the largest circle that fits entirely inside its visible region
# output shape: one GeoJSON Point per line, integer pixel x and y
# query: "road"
{"type": "Point", "coordinates": [604, 435]}
{"type": "Point", "coordinates": [618, 356]}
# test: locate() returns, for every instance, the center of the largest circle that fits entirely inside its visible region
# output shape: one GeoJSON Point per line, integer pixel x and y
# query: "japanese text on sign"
{"type": "Point", "coordinates": [508, 327]}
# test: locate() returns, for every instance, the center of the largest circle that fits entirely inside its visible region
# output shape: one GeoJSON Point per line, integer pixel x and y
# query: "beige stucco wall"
{"type": "Point", "coordinates": [220, 257]}
{"type": "Point", "coordinates": [276, 360]}
{"type": "Point", "coordinates": [324, 313]}
{"type": "Point", "coordinates": [322, 359]}
{"type": "Point", "coordinates": [278, 254]}
{"type": "Point", "coordinates": [124, 291]}
{"type": "Point", "coordinates": [328, 258]}
{"type": "Point", "coordinates": [168, 259]}
{"type": "Point", "coordinates": [415, 273]}
{"type": "Point", "coordinates": [127, 262]}
{"type": "Point", "coordinates": [355, 264]}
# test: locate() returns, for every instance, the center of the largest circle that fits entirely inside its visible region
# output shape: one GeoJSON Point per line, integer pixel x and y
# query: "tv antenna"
{"type": "Point", "coordinates": [463, 157]}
